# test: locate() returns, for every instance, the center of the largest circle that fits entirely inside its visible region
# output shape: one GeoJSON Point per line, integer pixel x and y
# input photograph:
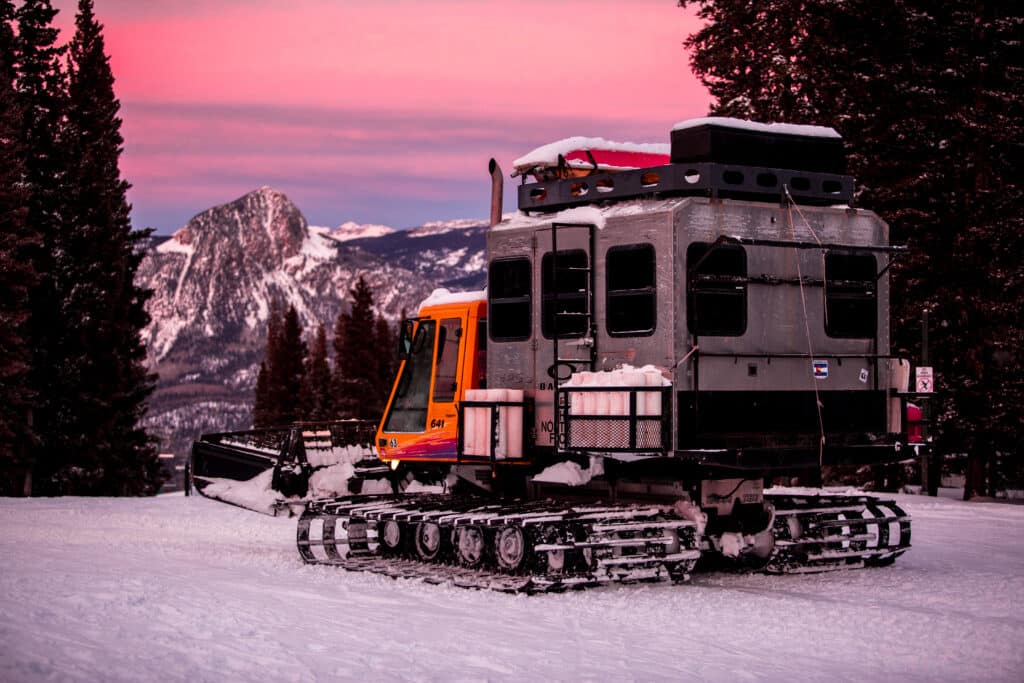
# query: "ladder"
{"type": "Point", "coordinates": [589, 340]}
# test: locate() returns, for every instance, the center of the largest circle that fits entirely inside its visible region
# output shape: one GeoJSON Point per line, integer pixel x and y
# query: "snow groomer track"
{"type": "Point", "coordinates": [530, 547]}
{"type": "Point", "coordinates": [538, 546]}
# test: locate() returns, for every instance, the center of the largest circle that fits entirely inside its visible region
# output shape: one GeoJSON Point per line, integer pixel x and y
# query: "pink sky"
{"type": "Point", "coordinates": [378, 111]}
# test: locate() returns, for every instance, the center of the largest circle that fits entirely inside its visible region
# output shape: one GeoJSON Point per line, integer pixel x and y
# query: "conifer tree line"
{"type": "Point", "coordinates": [297, 381]}
{"type": "Point", "coordinates": [73, 383]}
{"type": "Point", "coordinates": [928, 97]}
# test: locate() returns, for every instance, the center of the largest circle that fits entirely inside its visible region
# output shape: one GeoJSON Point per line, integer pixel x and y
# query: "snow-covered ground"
{"type": "Point", "coordinates": [175, 588]}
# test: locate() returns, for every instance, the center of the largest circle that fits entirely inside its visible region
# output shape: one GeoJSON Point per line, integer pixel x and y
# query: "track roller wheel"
{"type": "Point", "coordinates": [510, 548]}
{"type": "Point", "coordinates": [390, 534]}
{"type": "Point", "coordinates": [556, 561]}
{"type": "Point", "coordinates": [470, 544]}
{"type": "Point", "coordinates": [427, 541]}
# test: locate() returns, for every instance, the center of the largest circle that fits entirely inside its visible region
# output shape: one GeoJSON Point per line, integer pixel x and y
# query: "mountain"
{"type": "Point", "coordinates": [214, 281]}
{"type": "Point", "coordinates": [351, 231]}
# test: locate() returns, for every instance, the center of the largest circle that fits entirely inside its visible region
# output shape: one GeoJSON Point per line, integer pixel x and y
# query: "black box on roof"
{"type": "Point", "coordinates": [731, 144]}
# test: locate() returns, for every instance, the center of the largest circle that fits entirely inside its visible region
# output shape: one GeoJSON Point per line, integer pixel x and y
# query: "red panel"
{"type": "Point", "coordinates": [619, 158]}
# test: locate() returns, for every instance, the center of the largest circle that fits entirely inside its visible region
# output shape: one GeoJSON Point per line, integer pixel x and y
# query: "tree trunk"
{"type": "Point", "coordinates": [974, 479]}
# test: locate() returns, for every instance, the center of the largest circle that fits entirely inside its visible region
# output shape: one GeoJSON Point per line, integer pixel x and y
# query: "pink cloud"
{"type": "Point", "coordinates": [625, 59]}
{"type": "Point", "coordinates": [225, 96]}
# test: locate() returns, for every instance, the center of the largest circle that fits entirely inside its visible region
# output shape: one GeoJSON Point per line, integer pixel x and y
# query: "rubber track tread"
{"type": "Point", "coordinates": [826, 533]}
{"type": "Point", "coordinates": [595, 543]}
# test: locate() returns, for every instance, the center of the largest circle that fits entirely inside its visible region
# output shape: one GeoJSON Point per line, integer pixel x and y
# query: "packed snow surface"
{"type": "Point", "coordinates": [174, 589]}
{"type": "Point", "coordinates": [743, 124]}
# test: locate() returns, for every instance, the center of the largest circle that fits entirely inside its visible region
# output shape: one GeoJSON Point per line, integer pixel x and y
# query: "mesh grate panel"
{"type": "Point", "coordinates": [588, 433]}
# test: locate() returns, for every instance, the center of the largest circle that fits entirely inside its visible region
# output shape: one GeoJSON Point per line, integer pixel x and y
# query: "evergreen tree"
{"type": "Point", "coordinates": [280, 384]}
{"type": "Point", "coordinates": [102, 361]}
{"type": "Point", "coordinates": [41, 95]}
{"type": "Point", "coordinates": [273, 392]}
{"type": "Point", "coordinates": [261, 415]}
{"type": "Point", "coordinates": [289, 368]}
{"type": "Point", "coordinates": [358, 362]}
{"type": "Point", "coordinates": [317, 396]}
{"type": "Point", "coordinates": [927, 96]}
{"type": "Point", "coordinates": [343, 404]}
{"type": "Point", "coordinates": [281, 379]}
{"type": "Point", "coordinates": [386, 343]}
{"type": "Point", "coordinates": [273, 396]}
{"type": "Point", "coordinates": [18, 241]}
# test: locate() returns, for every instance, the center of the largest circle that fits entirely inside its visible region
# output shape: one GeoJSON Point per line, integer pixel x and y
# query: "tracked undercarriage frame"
{"type": "Point", "coordinates": [540, 546]}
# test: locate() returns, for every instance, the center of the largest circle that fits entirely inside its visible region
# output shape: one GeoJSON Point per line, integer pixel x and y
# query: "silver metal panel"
{"type": "Point", "coordinates": [776, 323]}
{"type": "Point", "coordinates": [775, 314]}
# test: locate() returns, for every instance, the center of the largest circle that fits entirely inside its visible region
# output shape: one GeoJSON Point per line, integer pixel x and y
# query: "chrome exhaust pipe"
{"type": "Point", "coordinates": [497, 191]}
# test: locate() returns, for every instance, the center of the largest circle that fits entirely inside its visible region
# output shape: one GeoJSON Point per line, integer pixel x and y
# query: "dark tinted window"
{"type": "Point", "coordinates": [508, 303]}
{"type": "Point", "coordinates": [851, 296]}
{"type": "Point", "coordinates": [564, 293]}
{"type": "Point", "coordinates": [449, 335]}
{"type": "Point", "coordinates": [716, 302]}
{"type": "Point", "coordinates": [630, 302]}
{"type": "Point", "coordinates": [409, 407]}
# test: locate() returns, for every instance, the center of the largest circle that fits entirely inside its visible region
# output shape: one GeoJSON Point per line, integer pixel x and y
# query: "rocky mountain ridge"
{"type": "Point", "coordinates": [214, 281]}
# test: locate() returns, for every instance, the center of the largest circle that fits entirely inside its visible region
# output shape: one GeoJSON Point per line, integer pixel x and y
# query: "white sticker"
{"type": "Point", "coordinates": [925, 382]}
{"type": "Point", "coordinates": [863, 375]}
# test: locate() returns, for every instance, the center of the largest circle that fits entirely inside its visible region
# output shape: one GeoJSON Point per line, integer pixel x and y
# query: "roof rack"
{"type": "Point", "coordinates": [689, 179]}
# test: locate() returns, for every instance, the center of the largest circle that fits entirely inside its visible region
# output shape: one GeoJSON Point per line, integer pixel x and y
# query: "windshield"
{"type": "Point", "coordinates": [409, 408]}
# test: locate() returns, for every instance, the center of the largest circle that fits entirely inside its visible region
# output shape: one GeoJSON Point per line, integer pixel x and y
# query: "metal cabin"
{"type": "Point", "coordinates": [759, 293]}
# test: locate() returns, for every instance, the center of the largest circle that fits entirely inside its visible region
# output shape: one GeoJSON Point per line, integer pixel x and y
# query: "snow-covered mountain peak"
{"type": "Point", "coordinates": [351, 230]}
{"type": "Point", "coordinates": [215, 280]}
{"type": "Point", "coordinates": [264, 222]}
{"type": "Point", "coordinates": [441, 227]}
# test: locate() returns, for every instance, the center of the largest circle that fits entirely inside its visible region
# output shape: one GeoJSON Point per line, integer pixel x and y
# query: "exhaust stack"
{"type": "Point", "coordinates": [497, 191]}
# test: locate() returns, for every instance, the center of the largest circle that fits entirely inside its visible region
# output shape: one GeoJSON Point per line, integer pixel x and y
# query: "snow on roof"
{"type": "Point", "coordinates": [741, 124]}
{"type": "Point", "coordinates": [548, 154]}
{"type": "Point", "coordinates": [442, 296]}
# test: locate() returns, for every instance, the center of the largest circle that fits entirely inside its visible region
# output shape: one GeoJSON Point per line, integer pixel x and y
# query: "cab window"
{"type": "Point", "coordinates": [408, 412]}
{"type": "Point", "coordinates": [449, 336]}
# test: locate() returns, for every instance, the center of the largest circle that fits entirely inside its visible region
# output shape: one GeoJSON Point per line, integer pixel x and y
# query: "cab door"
{"type": "Point", "coordinates": [421, 419]}
{"type": "Point", "coordinates": [448, 360]}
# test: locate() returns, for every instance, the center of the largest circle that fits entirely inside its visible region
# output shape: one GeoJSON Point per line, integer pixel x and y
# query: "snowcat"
{"type": "Point", "coordinates": [665, 328]}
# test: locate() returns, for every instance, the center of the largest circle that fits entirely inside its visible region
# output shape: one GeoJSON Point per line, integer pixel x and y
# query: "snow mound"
{"type": "Point", "coordinates": [570, 473]}
{"type": "Point", "coordinates": [253, 494]}
{"type": "Point", "coordinates": [331, 481]}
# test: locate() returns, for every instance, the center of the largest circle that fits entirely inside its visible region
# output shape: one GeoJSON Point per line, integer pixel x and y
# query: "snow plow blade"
{"type": "Point", "coordinates": [271, 470]}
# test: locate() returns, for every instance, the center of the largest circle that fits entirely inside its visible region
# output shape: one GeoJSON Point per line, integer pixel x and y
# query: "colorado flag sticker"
{"type": "Point", "coordinates": [820, 369]}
